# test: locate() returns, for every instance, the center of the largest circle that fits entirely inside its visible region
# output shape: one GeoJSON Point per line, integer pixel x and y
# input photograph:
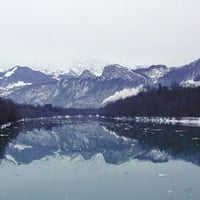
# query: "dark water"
{"type": "Point", "coordinates": [99, 159]}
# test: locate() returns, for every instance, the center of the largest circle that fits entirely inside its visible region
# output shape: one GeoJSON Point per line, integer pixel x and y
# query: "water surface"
{"type": "Point", "coordinates": [94, 158]}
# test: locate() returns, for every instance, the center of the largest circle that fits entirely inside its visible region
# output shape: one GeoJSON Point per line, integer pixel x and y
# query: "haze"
{"type": "Point", "coordinates": [64, 34]}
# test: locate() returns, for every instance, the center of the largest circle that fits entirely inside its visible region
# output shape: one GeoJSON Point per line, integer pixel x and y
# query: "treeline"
{"type": "Point", "coordinates": [29, 111]}
{"type": "Point", "coordinates": [168, 102]}
{"type": "Point", "coordinates": [8, 111]}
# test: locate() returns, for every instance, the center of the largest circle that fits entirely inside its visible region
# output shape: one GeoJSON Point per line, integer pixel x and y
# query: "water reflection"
{"type": "Point", "coordinates": [6, 136]}
{"type": "Point", "coordinates": [172, 141]}
{"type": "Point", "coordinates": [117, 141]}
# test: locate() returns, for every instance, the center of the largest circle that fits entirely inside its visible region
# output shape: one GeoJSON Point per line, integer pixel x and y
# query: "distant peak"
{"type": "Point", "coordinates": [87, 74]}
{"type": "Point", "coordinates": [17, 67]}
{"type": "Point", "coordinates": [109, 69]}
{"type": "Point", "coordinates": [113, 66]}
{"type": "Point", "coordinates": [196, 62]}
{"type": "Point", "coordinates": [10, 72]}
{"type": "Point", "coordinates": [117, 71]}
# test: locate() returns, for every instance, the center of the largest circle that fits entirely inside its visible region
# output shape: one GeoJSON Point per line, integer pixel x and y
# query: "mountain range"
{"type": "Point", "coordinates": [25, 85]}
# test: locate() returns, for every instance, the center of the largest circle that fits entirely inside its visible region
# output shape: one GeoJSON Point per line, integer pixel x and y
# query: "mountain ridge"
{"type": "Point", "coordinates": [86, 90]}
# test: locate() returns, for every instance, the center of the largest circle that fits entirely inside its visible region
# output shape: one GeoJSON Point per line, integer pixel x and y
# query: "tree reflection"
{"type": "Point", "coordinates": [6, 136]}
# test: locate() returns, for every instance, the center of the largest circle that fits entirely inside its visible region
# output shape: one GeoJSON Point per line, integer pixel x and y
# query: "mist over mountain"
{"type": "Point", "coordinates": [87, 90]}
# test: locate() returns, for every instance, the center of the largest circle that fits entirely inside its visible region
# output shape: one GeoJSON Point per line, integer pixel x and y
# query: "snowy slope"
{"type": "Point", "coordinates": [185, 74]}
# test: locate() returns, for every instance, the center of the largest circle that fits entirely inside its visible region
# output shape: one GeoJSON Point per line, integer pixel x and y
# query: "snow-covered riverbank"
{"type": "Point", "coordinates": [185, 121]}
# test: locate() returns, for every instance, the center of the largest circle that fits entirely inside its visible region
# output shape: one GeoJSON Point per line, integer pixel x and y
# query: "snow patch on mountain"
{"type": "Point", "coordinates": [17, 84]}
{"type": "Point", "coordinates": [190, 83]}
{"type": "Point", "coordinates": [155, 74]}
{"type": "Point", "coordinates": [115, 134]}
{"type": "Point", "coordinates": [10, 159]}
{"type": "Point", "coordinates": [21, 147]}
{"type": "Point", "coordinates": [54, 74]}
{"type": "Point", "coordinates": [10, 72]}
{"type": "Point", "coordinates": [60, 74]}
{"type": "Point", "coordinates": [127, 92]}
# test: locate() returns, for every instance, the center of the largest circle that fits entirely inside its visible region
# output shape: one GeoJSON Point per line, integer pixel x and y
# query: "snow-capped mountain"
{"type": "Point", "coordinates": [187, 75]}
{"type": "Point", "coordinates": [23, 75]}
{"type": "Point", "coordinates": [81, 92]}
{"type": "Point", "coordinates": [60, 74]}
{"type": "Point", "coordinates": [154, 72]}
{"type": "Point", "coordinates": [19, 77]}
{"type": "Point", "coordinates": [86, 74]}
{"type": "Point", "coordinates": [116, 71]}
{"type": "Point", "coordinates": [68, 89]}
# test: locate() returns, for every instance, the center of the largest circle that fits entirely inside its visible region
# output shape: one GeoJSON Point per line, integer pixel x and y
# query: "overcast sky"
{"type": "Point", "coordinates": [63, 34]}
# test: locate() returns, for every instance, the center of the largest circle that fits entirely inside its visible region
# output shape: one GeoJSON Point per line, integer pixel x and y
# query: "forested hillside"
{"type": "Point", "coordinates": [30, 111]}
{"type": "Point", "coordinates": [176, 102]}
{"type": "Point", "coordinates": [8, 111]}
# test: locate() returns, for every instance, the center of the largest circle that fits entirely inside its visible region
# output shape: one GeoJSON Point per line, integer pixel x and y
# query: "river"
{"type": "Point", "coordinates": [87, 158]}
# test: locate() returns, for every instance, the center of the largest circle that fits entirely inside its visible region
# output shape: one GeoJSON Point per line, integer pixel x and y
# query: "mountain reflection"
{"type": "Point", "coordinates": [172, 141]}
{"type": "Point", "coordinates": [117, 141]}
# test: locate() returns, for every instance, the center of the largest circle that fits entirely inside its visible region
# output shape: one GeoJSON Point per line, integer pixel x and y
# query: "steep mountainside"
{"type": "Point", "coordinates": [23, 74]}
{"type": "Point", "coordinates": [153, 73]}
{"type": "Point", "coordinates": [79, 93]}
{"type": "Point", "coordinates": [19, 77]}
{"type": "Point", "coordinates": [187, 75]}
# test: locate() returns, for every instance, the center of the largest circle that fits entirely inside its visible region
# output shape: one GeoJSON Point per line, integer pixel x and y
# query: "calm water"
{"type": "Point", "coordinates": [99, 159]}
